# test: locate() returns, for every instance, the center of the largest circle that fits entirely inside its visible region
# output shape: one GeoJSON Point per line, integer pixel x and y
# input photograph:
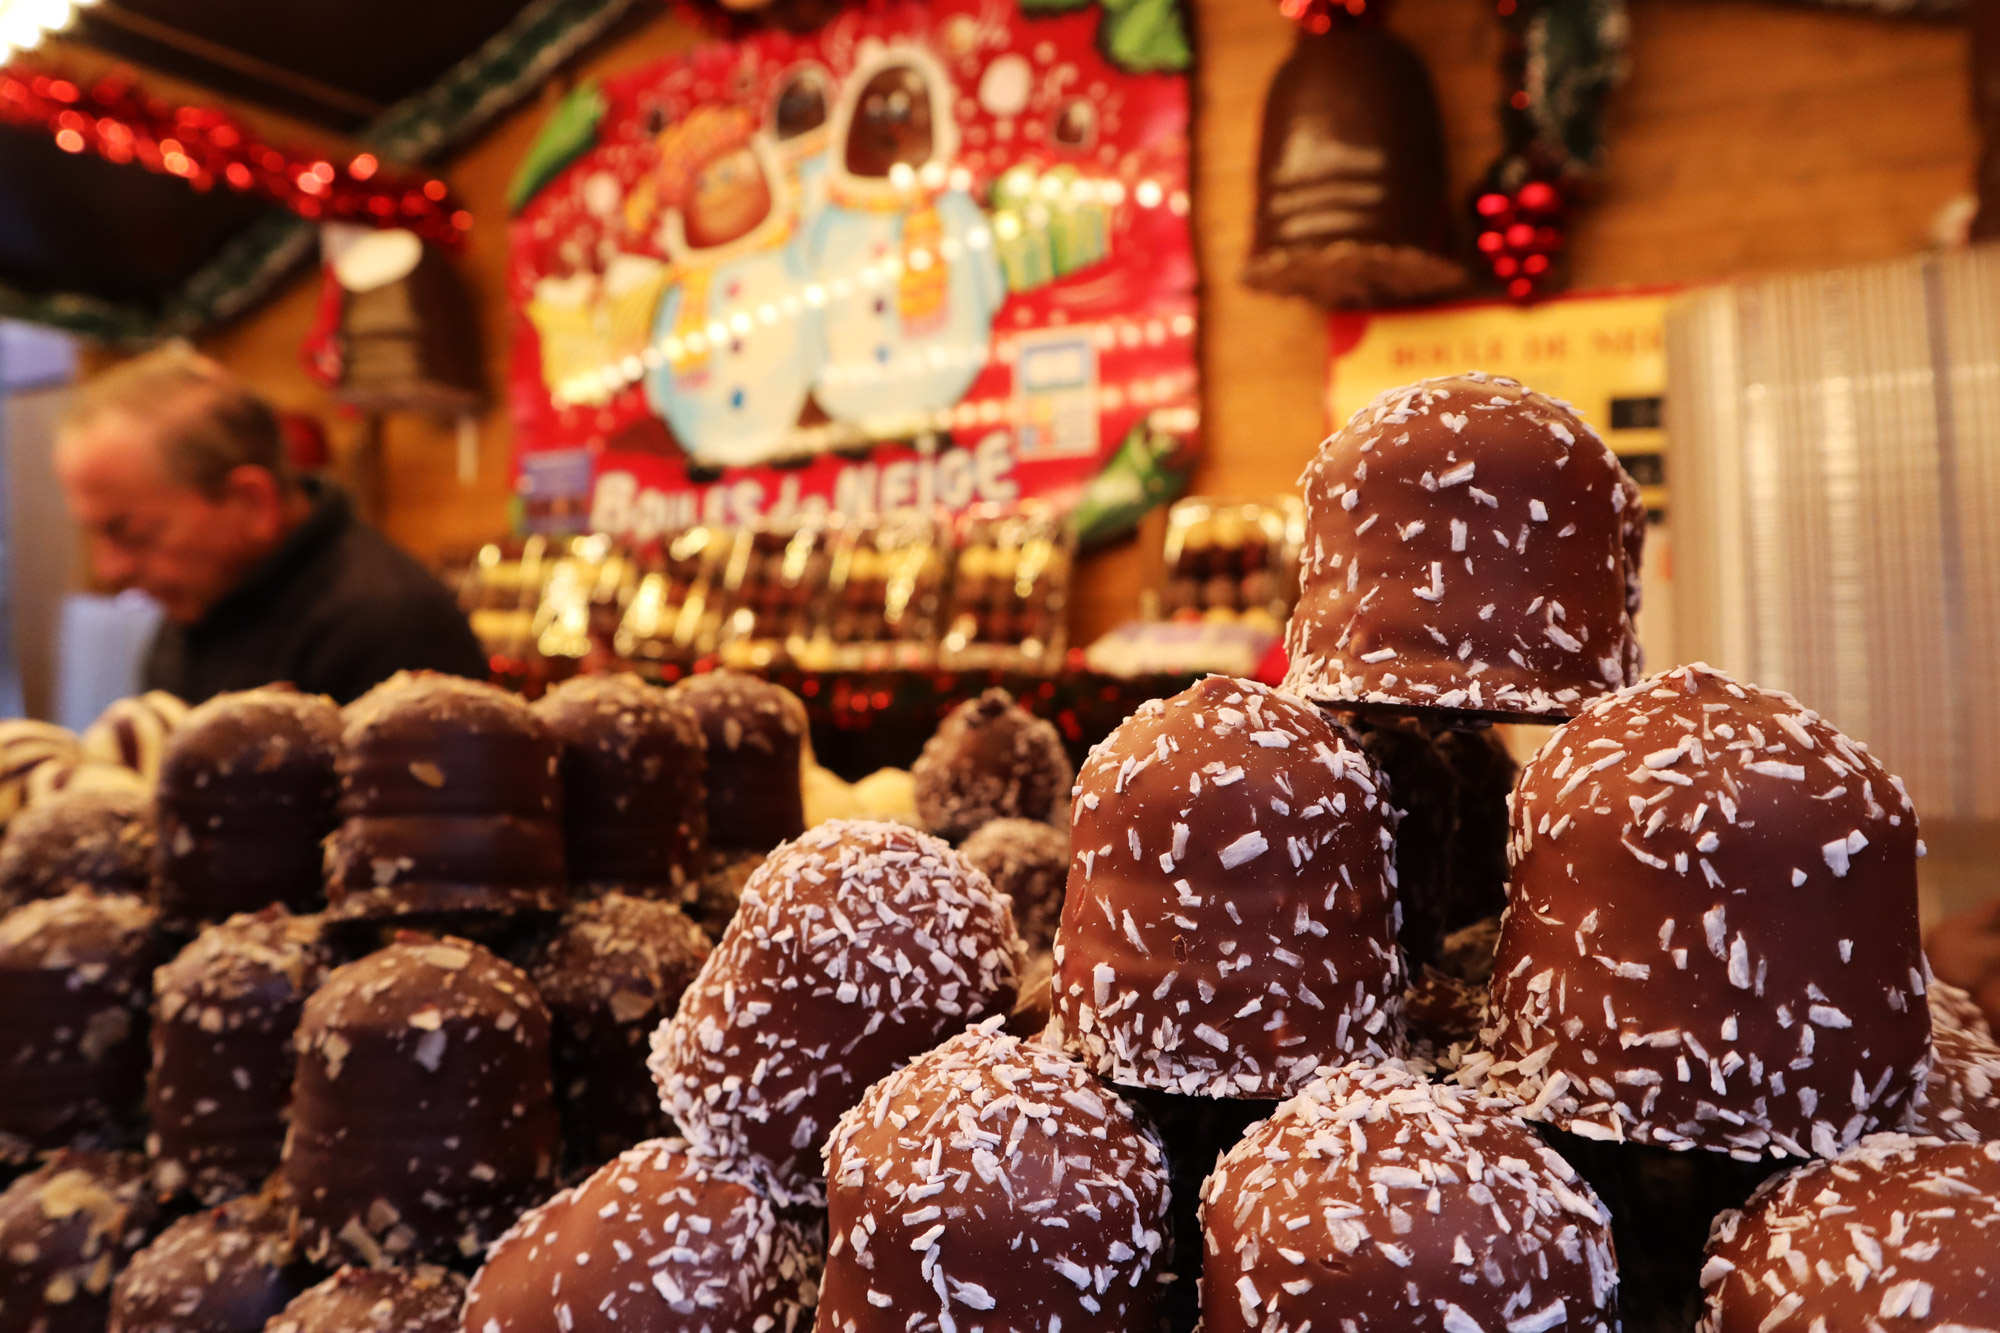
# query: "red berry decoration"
{"type": "Point", "coordinates": [1559, 61]}
{"type": "Point", "coordinates": [1521, 225]}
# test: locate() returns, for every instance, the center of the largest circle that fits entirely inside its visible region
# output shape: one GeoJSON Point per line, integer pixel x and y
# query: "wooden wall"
{"type": "Point", "coordinates": [1751, 136]}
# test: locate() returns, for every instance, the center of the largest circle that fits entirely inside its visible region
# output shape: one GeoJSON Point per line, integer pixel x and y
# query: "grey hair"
{"type": "Point", "coordinates": [209, 422]}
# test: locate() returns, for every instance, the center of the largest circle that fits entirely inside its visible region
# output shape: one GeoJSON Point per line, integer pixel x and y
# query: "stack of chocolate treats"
{"type": "Point", "coordinates": [1689, 1074]}
{"type": "Point", "coordinates": [1361, 1028]}
{"type": "Point", "coordinates": [362, 985]}
{"type": "Point", "coordinates": [861, 952]}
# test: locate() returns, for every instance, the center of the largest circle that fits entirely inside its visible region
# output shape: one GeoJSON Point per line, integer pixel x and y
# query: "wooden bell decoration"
{"type": "Point", "coordinates": [1352, 204]}
{"type": "Point", "coordinates": [409, 341]}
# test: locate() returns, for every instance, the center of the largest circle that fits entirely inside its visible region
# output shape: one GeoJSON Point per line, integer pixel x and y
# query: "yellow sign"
{"type": "Point", "coordinates": [1604, 354]}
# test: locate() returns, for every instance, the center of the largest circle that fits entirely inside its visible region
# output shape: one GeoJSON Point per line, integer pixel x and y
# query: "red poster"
{"type": "Point", "coordinates": [931, 256]}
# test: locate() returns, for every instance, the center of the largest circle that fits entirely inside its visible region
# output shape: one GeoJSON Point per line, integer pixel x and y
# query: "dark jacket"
{"type": "Point", "coordinates": [334, 610]}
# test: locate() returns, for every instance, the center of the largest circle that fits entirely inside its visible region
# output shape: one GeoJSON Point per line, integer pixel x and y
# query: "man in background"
{"type": "Point", "coordinates": [177, 472]}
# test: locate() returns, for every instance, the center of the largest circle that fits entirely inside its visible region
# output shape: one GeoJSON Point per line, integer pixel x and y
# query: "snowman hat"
{"type": "Point", "coordinates": [944, 118]}
{"type": "Point", "coordinates": [691, 143]}
{"type": "Point", "coordinates": [710, 132]}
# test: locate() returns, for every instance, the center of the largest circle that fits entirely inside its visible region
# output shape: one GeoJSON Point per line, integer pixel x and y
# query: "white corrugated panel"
{"type": "Point", "coordinates": [1835, 468]}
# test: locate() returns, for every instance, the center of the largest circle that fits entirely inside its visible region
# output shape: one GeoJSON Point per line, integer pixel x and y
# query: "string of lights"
{"type": "Point", "coordinates": [206, 147]}
{"type": "Point", "coordinates": [600, 382]}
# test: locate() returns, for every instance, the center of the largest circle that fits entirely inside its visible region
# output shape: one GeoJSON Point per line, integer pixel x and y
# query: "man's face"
{"type": "Point", "coordinates": [147, 530]}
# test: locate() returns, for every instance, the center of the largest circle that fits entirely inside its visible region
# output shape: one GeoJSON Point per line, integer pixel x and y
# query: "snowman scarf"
{"type": "Point", "coordinates": [923, 291]}
{"type": "Point", "coordinates": [691, 324]}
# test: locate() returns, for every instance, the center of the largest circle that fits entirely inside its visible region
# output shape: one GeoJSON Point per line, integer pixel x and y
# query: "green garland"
{"type": "Point", "coordinates": [514, 62]}
{"type": "Point", "coordinates": [510, 66]}
{"type": "Point", "coordinates": [1576, 56]}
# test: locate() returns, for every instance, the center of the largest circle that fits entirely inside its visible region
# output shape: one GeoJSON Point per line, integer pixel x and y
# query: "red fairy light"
{"type": "Point", "coordinates": [1318, 16]}
{"type": "Point", "coordinates": [116, 120]}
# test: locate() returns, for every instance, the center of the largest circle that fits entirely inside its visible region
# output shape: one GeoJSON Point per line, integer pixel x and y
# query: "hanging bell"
{"type": "Point", "coordinates": [406, 325]}
{"type": "Point", "coordinates": [1352, 203]}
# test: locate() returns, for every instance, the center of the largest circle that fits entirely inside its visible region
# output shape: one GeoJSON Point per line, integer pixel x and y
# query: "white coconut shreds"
{"type": "Point", "coordinates": [1376, 1201]}
{"type": "Point", "coordinates": [1897, 1233]}
{"type": "Point", "coordinates": [858, 946]}
{"type": "Point", "coordinates": [1230, 920]}
{"type": "Point", "coordinates": [993, 1185]}
{"type": "Point", "coordinates": [1472, 546]}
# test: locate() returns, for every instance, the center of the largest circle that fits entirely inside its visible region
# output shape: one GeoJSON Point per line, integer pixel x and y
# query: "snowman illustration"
{"type": "Point", "coordinates": [903, 257]}
{"type": "Point", "coordinates": [738, 348]}
{"type": "Point", "coordinates": [801, 118]}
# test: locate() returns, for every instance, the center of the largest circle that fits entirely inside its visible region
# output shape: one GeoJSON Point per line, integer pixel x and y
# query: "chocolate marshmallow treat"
{"type": "Point", "coordinates": [1230, 921]}
{"type": "Point", "coordinates": [756, 736]}
{"type": "Point", "coordinates": [224, 1270]}
{"type": "Point", "coordinates": [658, 1241]}
{"type": "Point", "coordinates": [1032, 999]}
{"type": "Point", "coordinates": [1897, 1233]}
{"type": "Point", "coordinates": [76, 978]}
{"type": "Point", "coordinates": [66, 1228]}
{"type": "Point", "coordinates": [419, 1299]}
{"type": "Point", "coordinates": [224, 1014]}
{"type": "Point", "coordinates": [1442, 1011]}
{"type": "Point", "coordinates": [451, 802]}
{"type": "Point", "coordinates": [1376, 1200]}
{"type": "Point", "coordinates": [990, 759]}
{"type": "Point", "coordinates": [246, 795]}
{"type": "Point", "coordinates": [1471, 546]}
{"type": "Point", "coordinates": [25, 746]}
{"type": "Point", "coordinates": [858, 947]}
{"type": "Point", "coordinates": [423, 1119]}
{"type": "Point", "coordinates": [1452, 786]}
{"type": "Point", "coordinates": [1712, 934]}
{"type": "Point", "coordinates": [133, 733]}
{"type": "Point", "coordinates": [1961, 1097]}
{"type": "Point", "coordinates": [611, 973]}
{"type": "Point", "coordinates": [635, 792]}
{"type": "Point", "coordinates": [1954, 1009]}
{"type": "Point", "coordinates": [719, 892]}
{"type": "Point", "coordinates": [993, 1183]}
{"type": "Point", "coordinates": [79, 839]}
{"type": "Point", "coordinates": [1962, 1090]}
{"type": "Point", "coordinates": [1027, 860]}
{"type": "Point", "coordinates": [1467, 953]}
